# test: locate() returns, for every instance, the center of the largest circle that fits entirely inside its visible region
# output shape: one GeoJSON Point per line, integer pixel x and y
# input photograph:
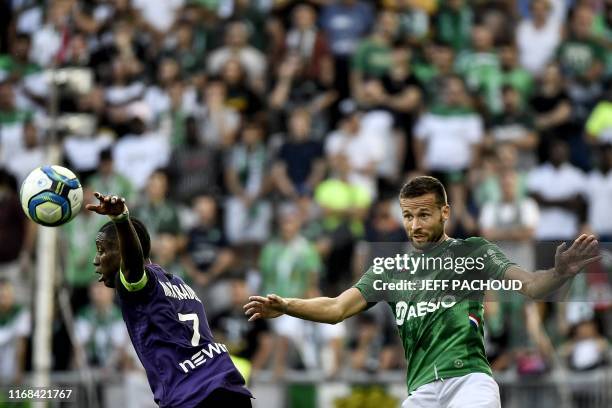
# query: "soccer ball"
{"type": "Point", "coordinates": [51, 195]}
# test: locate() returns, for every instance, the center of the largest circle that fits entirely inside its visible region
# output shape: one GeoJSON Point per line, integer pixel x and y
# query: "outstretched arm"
{"type": "Point", "coordinates": [321, 309]}
{"type": "Point", "coordinates": [568, 263]}
{"type": "Point", "coordinates": [132, 259]}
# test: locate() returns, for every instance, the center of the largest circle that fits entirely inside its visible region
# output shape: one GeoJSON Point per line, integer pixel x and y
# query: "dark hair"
{"type": "Point", "coordinates": [422, 185]}
{"type": "Point", "coordinates": [110, 233]}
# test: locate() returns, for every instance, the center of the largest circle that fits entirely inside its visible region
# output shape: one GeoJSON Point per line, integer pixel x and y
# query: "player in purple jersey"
{"type": "Point", "coordinates": [166, 321]}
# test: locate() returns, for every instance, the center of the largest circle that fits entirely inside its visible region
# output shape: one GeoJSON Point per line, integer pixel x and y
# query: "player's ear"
{"type": "Point", "coordinates": [445, 212]}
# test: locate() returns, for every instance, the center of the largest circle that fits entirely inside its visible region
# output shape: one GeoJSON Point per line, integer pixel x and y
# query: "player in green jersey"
{"type": "Point", "coordinates": [441, 329]}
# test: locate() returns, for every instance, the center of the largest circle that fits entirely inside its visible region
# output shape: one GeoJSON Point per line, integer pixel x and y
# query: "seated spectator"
{"type": "Point", "coordinates": [437, 62]}
{"type": "Point", "coordinates": [586, 348]}
{"type": "Point", "coordinates": [17, 64]}
{"type": "Point", "coordinates": [240, 96]}
{"type": "Point", "coordinates": [100, 332]}
{"type": "Point", "coordinates": [13, 120]}
{"type": "Point", "coordinates": [454, 24]}
{"type": "Point", "coordinates": [208, 254]}
{"type": "Point", "coordinates": [537, 37]}
{"type": "Point", "coordinates": [219, 123]}
{"type": "Point", "coordinates": [598, 190]}
{"type": "Point", "coordinates": [156, 210]}
{"type": "Point", "coordinates": [514, 125]}
{"type": "Point", "coordinates": [249, 214]}
{"type": "Point", "coordinates": [15, 327]}
{"type": "Point", "coordinates": [194, 167]}
{"type": "Point", "coordinates": [511, 223]}
{"type": "Point", "coordinates": [514, 75]}
{"type": "Point", "coordinates": [236, 46]}
{"type": "Point", "coordinates": [30, 157]}
{"type": "Point", "coordinates": [299, 167]}
{"type": "Point", "coordinates": [249, 342]}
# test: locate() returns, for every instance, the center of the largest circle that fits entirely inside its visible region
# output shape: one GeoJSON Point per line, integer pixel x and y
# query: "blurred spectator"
{"type": "Point", "coordinates": [15, 327]}
{"type": "Point", "coordinates": [240, 95]}
{"type": "Point", "coordinates": [537, 37]}
{"type": "Point", "coordinates": [164, 252]}
{"type": "Point", "coordinates": [236, 46]}
{"type": "Point", "coordinates": [79, 250]}
{"type": "Point", "coordinates": [552, 109]}
{"type": "Point", "coordinates": [99, 329]}
{"type": "Point", "coordinates": [511, 223]}
{"type": "Point", "coordinates": [454, 24]}
{"type": "Point", "coordinates": [345, 22]}
{"type": "Point", "coordinates": [157, 95]}
{"type": "Point", "coordinates": [32, 156]}
{"type": "Point", "coordinates": [187, 47]}
{"type": "Point", "coordinates": [13, 120]}
{"type": "Point", "coordinates": [299, 167]}
{"type": "Point", "coordinates": [208, 255]}
{"type": "Point", "coordinates": [514, 125]}
{"type": "Point", "coordinates": [248, 213]}
{"type": "Point", "coordinates": [514, 75]}
{"type": "Point", "coordinates": [251, 341]}
{"type": "Point", "coordinates": [290, 267]}
{"type": "Point", "coordinates": [106, 180]}
{"type": "Point", "coordinates": [17, 64]}
{"type": "Point", "coordinates": [447, 140]}
{"type": "Point", "coordinates": [363, 153]}
{"type": "Point", "coordinates": [436, 63]}
{"type": "Point", "coordinates": [47, 40]}
{"type": "Point", "coordinates": [372, 57]}
{"type": "Point", "coordinates": [158, 15]}
{"type": "Point", "coordinates": [15, 253]}
{"type": "Point", "coordinates": [138, 154]}
{"type": "Point", "coordinates": [597, 190]}
{"type": "Point", "coordinates": [194, 167]}
{"type": "Point", "coordinates": [598, 127]}
{"type": "Point", "coordinates": [156, 209]}
{"type": "Point", "coordinates": [219, 123]}
{"type": "Point", "coordinates": [372, 350]}
{"type": "Point", "coordinates": [586, 348]}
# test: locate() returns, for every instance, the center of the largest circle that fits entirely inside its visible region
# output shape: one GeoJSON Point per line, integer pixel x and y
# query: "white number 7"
{"type": "Point", "coordinates": [195, 340]}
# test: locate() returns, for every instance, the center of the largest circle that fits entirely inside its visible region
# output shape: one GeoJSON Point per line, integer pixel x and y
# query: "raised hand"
{"type": "Point", "coordinates": [267, 307]}
{"type": "Point", "coordinates": [108, 205]}
{"type": "Point", "coordinates": [584, 251]}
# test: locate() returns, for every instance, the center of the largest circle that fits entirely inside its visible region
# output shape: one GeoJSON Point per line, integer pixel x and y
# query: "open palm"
{"type": "Point", "coordinates": [584, 251]}
{"type": "Point", "coordinates": [108, 205]}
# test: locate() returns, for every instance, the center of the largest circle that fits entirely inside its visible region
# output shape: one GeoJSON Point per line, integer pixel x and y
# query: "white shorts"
{"type": "Point", "coordinates": [476, 390]}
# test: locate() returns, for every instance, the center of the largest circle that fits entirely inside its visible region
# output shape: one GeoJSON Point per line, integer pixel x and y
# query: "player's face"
{"type": "Point", "coordinates": [423, 219]}
{"type": "Point", "coordinates": [106, 261]}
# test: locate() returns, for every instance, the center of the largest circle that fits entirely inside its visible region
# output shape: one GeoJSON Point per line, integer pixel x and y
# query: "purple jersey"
{"type": "Point", "coordinates": [168, 327]}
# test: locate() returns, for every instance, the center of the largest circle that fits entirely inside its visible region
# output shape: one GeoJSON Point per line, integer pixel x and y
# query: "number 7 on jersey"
{"type": "Point", "coordinates": [195, 339]}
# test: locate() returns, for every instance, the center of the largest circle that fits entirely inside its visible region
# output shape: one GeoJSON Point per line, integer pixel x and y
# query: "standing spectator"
{"type": "Point", "coordinates": [372, 57]}
{"type": "Point", "coordinates": [208, 254]}
{"type": "Point", "coordinates": [78, 251]}
{"type": "Point", "coordinates": [345, 22]}
{"type": "Point", "coordinates": [16, 252]}
{"type": "Point", "coordinates": [514, 125]}
{"type": "Point", "coordinates": [513, 74]}
{"type": "Point", "coordinates": [537, 37]}
{"type": "Point", "coordinates": [290, 266]}
{"type": "Point", "coordinates": [598, 190]}
{"type": "Point", "coordinates": [194, 167]}
{"type": "Point", "coordinates": [511, 223]}
{"type": "Point", "coordinates": [13, 120]}
{"type": "Point", "coordinates": [249, 214]}
{"type": "Point", "coordinates": [552, 109]}
{"type": "Point", "coordinates": [240, 96]}
{"type": "Point", "coordinates": [99, 329]}
{"type": "Point", "coordinates": [237, 46]}
{"type": "Point", "coordinates": [557, 187]}
{"type": "Point", "coordinates": [447, 140]}
{"type": "Point", "coordinates": [32, 156]}
{"type": "Point", "coordinates": [157, 210]}
{"type": "Point", "coordinates": [250, 341]}
{"type": "Point", "coordinates": [219, 123]}
{"type": "Point", "coordinates": [454, 24]}
{"type": "Point", "coordinates": [15, 327]}
{"type": "Point", "coordinates": [107, 180]}
{"type": "Point", "coordinates": [17, 64]}
{"type": "Point", "coordinates": [300, 166]}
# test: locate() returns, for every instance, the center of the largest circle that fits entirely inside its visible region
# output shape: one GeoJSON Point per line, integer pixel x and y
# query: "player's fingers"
{"type": "Point", "coordinates": [274, 297]}
{"type": "Point", "coordinates": [560, 248]}
{"type": "Point", "coordinates": [254, 317]}
{"type": "Point", "coordinates": [251, 305]}
{"type": "Point", "coordinates": [251, 311]}
{"type": "Point", "coordinates": [260, 299]}
{"type": "Point", "coordinates": [591, 260]}
{"type": "Point", "coordinates": [93, 207]}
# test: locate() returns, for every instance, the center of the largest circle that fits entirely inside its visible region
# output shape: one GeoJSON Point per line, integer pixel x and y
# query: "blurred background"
{"type": "Point", "coordinates": [264, 143]}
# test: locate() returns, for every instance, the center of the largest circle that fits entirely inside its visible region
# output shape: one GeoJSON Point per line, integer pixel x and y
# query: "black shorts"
{"type": "Point", "coordinates": [222, 398]}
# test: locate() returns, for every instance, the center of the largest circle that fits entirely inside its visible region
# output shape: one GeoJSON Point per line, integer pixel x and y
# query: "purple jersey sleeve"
{"type": "Point", "coordinates": [168, 328]}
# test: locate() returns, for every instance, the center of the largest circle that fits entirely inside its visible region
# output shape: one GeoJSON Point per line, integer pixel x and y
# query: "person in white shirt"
{"type": "Point", "coordinates": [537, 38]}
{"type": "Point", "coordinates": [598, 190]}
{"type": "Point", "coordinates": [558, 188]}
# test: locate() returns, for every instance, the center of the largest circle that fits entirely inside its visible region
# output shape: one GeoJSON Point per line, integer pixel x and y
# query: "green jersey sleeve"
{"type": "Point", "coordinates": [366, 286]}
{"type": "Point", "coordinates": [494, 261]}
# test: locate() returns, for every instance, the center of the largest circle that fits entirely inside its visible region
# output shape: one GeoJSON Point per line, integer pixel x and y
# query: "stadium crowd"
{"type": "Point", "coordinates": [264, 143]}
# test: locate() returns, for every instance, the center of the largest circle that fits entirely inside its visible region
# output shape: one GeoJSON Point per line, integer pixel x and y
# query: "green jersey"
{"type": "Point", "coordinates": [441, 331]}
